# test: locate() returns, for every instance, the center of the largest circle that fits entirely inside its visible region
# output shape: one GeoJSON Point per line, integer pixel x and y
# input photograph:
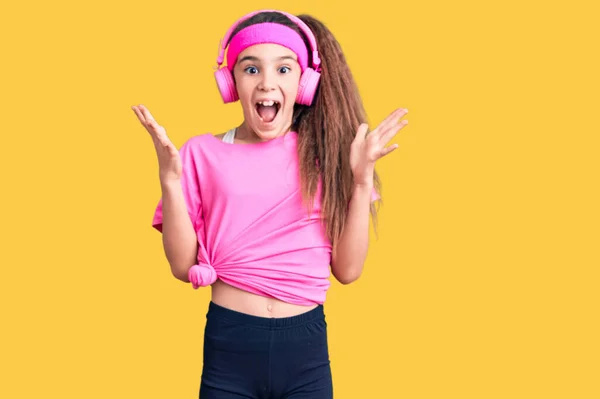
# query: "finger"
{"type": "Point", "coordinates": [391, 120]}
{"type": "Point", "coordinates": [147, 114]}
{"type": "Point", "coordinates": [153, 130]}
{"type": "Point", "coordinates": [392, 123]}
{"type": "Point", "coordinates": [392, 132]}
{"type": "Point", "coordinates": [150, 128]}
{"type": "Point", "coordinates": [152, 124]}
{"type": "Point", "coordinates": [361, 132]}
{"type": "Point", "coordinates": [386, 150]}
{"type": "Point", "coordinates": [138, 113]}
{"type": "Point", "coordinates": [163, 139]}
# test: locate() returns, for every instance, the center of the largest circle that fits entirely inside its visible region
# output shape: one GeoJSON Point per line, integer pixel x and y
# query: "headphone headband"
{"type": "Point", "coordinates": [311, 38]}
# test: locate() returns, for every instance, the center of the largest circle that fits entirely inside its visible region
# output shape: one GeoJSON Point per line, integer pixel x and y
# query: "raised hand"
{"type": "Point", "coordinates": [169, 161]}
{"type": "Point", "coordinates": [368, 147]}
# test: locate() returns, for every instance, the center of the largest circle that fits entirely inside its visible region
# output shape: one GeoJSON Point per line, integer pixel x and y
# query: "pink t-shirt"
{"type": "Point", "coordinates": [254, 233]}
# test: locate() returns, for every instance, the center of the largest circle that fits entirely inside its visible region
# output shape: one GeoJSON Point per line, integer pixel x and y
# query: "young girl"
{"type": "Point", "coordinates": [264, 212]}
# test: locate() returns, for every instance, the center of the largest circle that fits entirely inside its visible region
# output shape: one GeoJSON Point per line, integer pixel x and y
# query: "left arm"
{"type": "Point", "coordinates": [349, 254]}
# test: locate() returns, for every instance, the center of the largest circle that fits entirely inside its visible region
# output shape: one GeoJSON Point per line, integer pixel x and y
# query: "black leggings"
{"type": "Point", "coordinates": [250, 357]}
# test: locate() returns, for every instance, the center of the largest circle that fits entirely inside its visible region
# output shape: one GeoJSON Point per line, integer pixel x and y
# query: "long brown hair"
{"type": "Point", "coordinates": [327, 128]}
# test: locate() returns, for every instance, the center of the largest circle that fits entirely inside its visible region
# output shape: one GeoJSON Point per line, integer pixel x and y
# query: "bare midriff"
{"type": "Point", "coordinates": [236, 299]}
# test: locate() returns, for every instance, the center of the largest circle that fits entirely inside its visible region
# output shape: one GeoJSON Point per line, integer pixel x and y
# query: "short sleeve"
{"type": "Point", "coordinates": [190, 185]}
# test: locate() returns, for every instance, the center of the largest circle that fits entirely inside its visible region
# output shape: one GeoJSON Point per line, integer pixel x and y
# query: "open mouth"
{"type": "Point", "coordinates": [267, 110]}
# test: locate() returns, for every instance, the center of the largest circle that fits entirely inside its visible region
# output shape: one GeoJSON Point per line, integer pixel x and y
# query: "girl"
{"type": "Point", "coordinates": [264, 212]}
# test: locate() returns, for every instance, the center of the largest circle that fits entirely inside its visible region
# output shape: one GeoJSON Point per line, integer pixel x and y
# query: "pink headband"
{"type": "Point", "coordinates": [267, 32]}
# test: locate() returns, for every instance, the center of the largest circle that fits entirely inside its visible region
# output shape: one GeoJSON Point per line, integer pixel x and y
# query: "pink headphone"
{"type": "Point", "coordinates": [309, 80]}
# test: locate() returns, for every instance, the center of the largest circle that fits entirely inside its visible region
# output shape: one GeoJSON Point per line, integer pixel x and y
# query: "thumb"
{"type": "Point", "coordinates": [361, 133]}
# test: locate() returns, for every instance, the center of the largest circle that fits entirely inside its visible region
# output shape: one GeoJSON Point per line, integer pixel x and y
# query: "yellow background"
{"type": "Point", "coordinates": [484, 280]}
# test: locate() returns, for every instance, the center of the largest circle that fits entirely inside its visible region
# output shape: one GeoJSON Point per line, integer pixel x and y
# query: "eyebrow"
{"type": "Point", "coordinates": [255, 59]}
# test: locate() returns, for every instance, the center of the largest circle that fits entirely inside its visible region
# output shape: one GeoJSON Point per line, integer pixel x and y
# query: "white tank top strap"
{"type": "Point", "coordinates": [228, 137]}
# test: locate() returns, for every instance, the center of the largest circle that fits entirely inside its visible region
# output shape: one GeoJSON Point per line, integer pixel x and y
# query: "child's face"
{"type": "Point", "coordinates": [267, 72]}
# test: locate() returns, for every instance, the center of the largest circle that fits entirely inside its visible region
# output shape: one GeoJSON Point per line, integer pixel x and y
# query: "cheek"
{"type": "Point", "coordinates": [244, 91]}
{"type": "Point", "coordinates": [242, 88]}
{"type": "Point", "coordinates": [291, 90]}
{"type": "Point", "coordinates": [243, 84]}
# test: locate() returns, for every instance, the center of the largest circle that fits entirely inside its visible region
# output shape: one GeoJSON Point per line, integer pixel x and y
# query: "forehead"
{"type": "Point", "coordinates": [267, 52]}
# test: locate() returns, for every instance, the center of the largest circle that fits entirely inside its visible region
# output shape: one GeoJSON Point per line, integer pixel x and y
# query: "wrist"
{"type": "Point", "coordinates": [365, 183]}
{"type": "Point", "coordinates": [364, 177]}
{"type": "Point", "coordinates": [170, 184]}
{"type": "Point", "coordinates": [363, 187]}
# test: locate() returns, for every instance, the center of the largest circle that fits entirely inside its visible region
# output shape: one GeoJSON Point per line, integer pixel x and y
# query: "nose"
{"type": "Point", "coordinates": [267, 81]}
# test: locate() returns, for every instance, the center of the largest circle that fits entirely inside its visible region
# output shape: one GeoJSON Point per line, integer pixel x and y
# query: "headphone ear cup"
{"type": "Point", "coordinates": [226, 85]}
{"type": "Point", "coordinates": [307, 87]}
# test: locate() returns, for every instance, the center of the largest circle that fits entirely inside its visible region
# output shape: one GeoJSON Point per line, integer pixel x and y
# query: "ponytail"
{"type": "Point", "coordinates": [326, 130]}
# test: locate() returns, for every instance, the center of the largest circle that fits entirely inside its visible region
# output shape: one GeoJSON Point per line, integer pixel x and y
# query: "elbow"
{"type": "Point", "coordinates": [347, 277]}
{"type": "Point", "coordinates": [180, 272]}
{"type": "Point", "coordinates": [180, 265]}
{"type": "Point", "coordinates": [348, 280]}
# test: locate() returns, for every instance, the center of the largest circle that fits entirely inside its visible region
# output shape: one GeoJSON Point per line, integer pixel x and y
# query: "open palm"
{"type": "Point", "coordinates": [169, 161]}
{"type": "Point", "coordinates": [368, 147]}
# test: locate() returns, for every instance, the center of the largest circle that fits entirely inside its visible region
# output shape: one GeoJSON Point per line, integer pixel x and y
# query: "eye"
{"type": "Point", "coordinates": [284, 69]}
{"type": "Point", "coordinates": [251, 70]}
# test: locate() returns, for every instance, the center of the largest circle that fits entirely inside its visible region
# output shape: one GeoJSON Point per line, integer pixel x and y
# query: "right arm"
{"type": "Point", "coordinates": [179, 203]}
{"type": "Point", "coordinates": [179, 238]}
